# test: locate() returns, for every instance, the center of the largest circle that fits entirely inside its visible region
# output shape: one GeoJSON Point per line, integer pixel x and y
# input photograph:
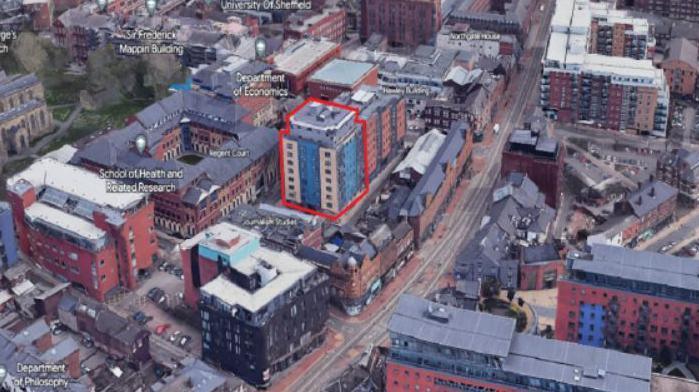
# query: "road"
{"type": "Point", "coordinates": [678, 231]}
{"type": "Point", "coordinates": [461, 225]}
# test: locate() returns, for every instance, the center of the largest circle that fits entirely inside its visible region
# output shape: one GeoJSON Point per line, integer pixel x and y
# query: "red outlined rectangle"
{"type": "Point", "coordinates": [287, 131]}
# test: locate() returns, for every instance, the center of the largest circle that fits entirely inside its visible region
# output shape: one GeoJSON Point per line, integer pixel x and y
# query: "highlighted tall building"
{"type": "Point", "coordinates": [323, 158]}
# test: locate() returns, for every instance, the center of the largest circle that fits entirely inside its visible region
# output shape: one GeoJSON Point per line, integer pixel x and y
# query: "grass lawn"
{"type": "Point", "coordinates": [62, 113]}
{"type": "Point", "coordinates": [89, 122]}
{"type": "Point", "coordinates": [190, 159]}
{"type": "Point", "coordinates": [61, 88]}
{"type": "Point", "coordinates": [14, 167]}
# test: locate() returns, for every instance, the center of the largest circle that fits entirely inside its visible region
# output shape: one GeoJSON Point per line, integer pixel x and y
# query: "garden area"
{"type": "Point", "coordinates": [91, 122]}
{"type": "Point", "coordinates": [494, 303]}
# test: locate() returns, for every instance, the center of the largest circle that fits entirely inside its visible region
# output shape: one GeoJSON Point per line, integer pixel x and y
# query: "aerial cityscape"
{"type": "Point", "coordinates": [349, 195]}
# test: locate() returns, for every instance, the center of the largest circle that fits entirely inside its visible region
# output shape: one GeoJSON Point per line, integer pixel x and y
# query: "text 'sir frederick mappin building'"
{"type": "Point", "coordinates": [323, 158]}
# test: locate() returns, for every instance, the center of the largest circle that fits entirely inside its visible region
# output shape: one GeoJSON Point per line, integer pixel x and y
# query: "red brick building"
{"type": "Point", "coordinates": [81, 32]}
{"type": "Point", "coordinates": [641, 302]}
{"type": "Point", "coordinates": [330, 24]}
{"type": "Point", "coordinates": [681, 67]}
{"type": "Point", "coordinates": [69, 223]}
{"type": "Point", "coordinates": [386, 124]}
{"type": "Point", "coordinates": [239, 160]}
{"type": "Point", "coordinates": [206, 253]}
{"type": "Point", "coordinates": [41, 12]}
{"type": "Point", "coordinates": [403, 22]}
{"type": "Point", "coordinates": [300, 60]}
{"type": "Point", "coordinates": [339, 76]}
{"type": "Point", "coordinates": [652, 205]}
{"type": "Point", "coordinates": [539, 268]}
{"type": "Point", "coordinates": [440, 348]}
{"type": "Point", "coordinates": [429, 198]}
{"type": "Point", "coordinates": [124, 7]}
{"type": "Point", "coordinates": [540, 158]}
{"type": "Point", "coordinates": [33, 344]}
{"type": "Point", "coordinates": [117, 336]}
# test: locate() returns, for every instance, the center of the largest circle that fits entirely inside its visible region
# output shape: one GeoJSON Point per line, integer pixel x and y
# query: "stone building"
{"type": "Point", "coordinates": [23, 113]}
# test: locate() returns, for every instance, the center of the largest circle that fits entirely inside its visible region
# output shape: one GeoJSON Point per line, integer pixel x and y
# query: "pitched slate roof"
{"type": "Point", "coordinates": [434, 174]}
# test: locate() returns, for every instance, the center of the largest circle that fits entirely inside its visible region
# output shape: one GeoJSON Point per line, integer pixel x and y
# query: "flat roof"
{"type": "Point", "coordinates": [642, 266]}
{"type": "Point", "coordinates": [343, 72]}
{"type": "Point", "coordinates": [576, 364]}
{"type": "Point", "coordinates": [452, 327]}
{"type": "Point", "coordinates": [289, 271]}
{"type": "Point", "coordinates": [219, 235]}
{"type": "Point", "coordinates": [73, 180]}
{"type": "Point", "coordinates": [302, 54]}
{"type": "Point", "coordinates": [63, 221]}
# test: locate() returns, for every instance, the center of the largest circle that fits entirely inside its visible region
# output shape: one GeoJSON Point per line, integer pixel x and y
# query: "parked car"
{"type": "Point", "coordinates": [160, 329]}
{"type": "Point", "coordinates": [174, 336]}
{"type": "Point", "coordinates": [164, 266]}
{"type": "Point", "coordinates": [185, 339]}
{"type": "Point", "coordinates": [87, 342]}
{"type": "Point", "coordinates": [152, 293]}
{"type": "Point", "coordinates": [57, 328]}
{"type": "Point", "coordinates": [156, 295]}
{"type": "Point", "coordinates": [139, 316]}
{"type": "Point", "coordinates": [177, 271]}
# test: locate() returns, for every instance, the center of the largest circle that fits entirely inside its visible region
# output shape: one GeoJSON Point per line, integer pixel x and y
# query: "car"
{"type": "Point", "coordinates": [139, 316]}
{"type": "Point", "coordinates": [184, 340]}
{"type": "Point", "coordinates": [164, 265]}
{"type": "Point", "coordinates": [177, 271]}
{"type": "Point", "coordinates": [84, 369]}
{"type": "Point", "coordinates": [112, 360]}
{"type": "Point", "coordinates": [152, 293]}
{"type": "Point", "coordinates": [169, 267]}
{"type": "Point", "coordinates": [57, 328]}
{"type": "Point", "coordinates": [160, 371]}
{"type": "Point", "coordinates": [668, 246]}
{"type": "Point", "coordinates": [174, 336]}
{"type": "Point", "coordinates": [156, 295]}
{"type": "Point", "coordinates": [160, 329]}
{"type": "Point", "coordinates": [145, 320]}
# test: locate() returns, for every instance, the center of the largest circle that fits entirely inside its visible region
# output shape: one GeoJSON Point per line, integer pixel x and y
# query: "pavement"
{"type": "Point", "coordinates": [682, 368]}
{"type": "Point", "coordinates": [600, 164]}
{"type": "Point", "coordinates": [544, 302]}
{"type": "Point", "coordinates": [678, 231]}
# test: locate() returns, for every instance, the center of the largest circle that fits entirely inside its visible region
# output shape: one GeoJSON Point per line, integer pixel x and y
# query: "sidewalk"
{"type": "Point", "coordinates": [288, 377]}
{"type": "Point", "coordinates": [662, 234]}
